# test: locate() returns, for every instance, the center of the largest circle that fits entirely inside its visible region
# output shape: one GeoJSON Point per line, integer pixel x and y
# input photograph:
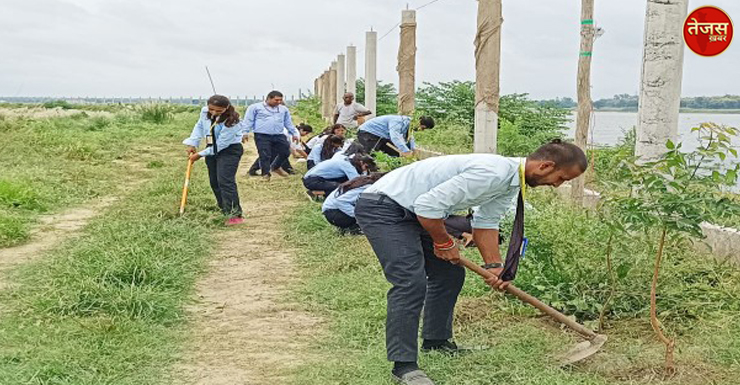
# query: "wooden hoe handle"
{"type": "Point", "coordinates": [511, 289]}
{"type": "Point", "coordinates": [185, 187]}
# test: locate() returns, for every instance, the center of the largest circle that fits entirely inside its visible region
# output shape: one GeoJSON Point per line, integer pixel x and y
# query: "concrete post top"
{"type": "Point", "coordinates": [408, 16]}
{"type": "Point", "coordinates": [371, 34]}
{"type": "Point", "coordinates": [340, 57]}
{"type": "Point", "coordinates": [334, 66]}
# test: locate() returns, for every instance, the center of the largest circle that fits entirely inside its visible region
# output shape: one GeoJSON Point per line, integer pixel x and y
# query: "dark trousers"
{"type": "Point", "coordinates": [273, 151]}
{"type": "Point", "coordinates": [326, 185]}
{"type": "Point", "coordinates": [339, 219]}
{"type": "Point", "coordinates": [222, 169]}
{"type": "Point", "coordinates": [375, 143]}
{"type": "Point", "coordinates": [420, 280]}
{"type": "Point", "coordinates": [256, 166]}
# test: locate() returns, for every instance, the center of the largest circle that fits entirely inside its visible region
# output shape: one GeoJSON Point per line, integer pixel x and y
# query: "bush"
{"type": "Point", "coordinates": [309, 111]}
{"type": "Point", "coordinates": [158, 113]}
{"type": "Point", "coordinates": [565, 266]}
{"type": "Point", "coordinates": [386, 98]}
{"type": "Point", "coordinates": [63, 104]}
{"type": "Point", "coordinates": [453, 102]}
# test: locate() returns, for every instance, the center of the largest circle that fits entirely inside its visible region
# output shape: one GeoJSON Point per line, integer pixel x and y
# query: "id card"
{"type": "Point", "coordinates": [209, 140]}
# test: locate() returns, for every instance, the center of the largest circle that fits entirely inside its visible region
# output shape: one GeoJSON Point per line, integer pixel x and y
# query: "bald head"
{"type": "Point", "coordinates": [348, 98]}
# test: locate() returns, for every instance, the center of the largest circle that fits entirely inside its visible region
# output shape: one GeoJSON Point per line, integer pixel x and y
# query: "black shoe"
{"type": "Point", "coordinates": [446, 347]}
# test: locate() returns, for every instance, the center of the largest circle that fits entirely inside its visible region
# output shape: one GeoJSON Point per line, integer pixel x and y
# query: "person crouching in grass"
{"type": "Point", "coordinates": [220, 126]}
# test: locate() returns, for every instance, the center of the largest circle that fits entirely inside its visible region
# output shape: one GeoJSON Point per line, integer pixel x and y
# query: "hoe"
{"type": "Point", "coordinates": [579, 352]}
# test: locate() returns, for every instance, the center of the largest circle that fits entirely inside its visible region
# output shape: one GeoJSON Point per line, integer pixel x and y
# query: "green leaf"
{"type": "Point", "coordinates": [669, 144]}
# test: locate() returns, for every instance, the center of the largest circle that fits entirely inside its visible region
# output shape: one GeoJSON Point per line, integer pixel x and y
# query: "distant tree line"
{"type": "Point", "coordinates": [630, 102]}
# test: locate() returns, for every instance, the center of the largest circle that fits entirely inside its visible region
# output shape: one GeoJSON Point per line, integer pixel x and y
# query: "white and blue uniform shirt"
{"type": "Point", "coordinates": [225, 136]}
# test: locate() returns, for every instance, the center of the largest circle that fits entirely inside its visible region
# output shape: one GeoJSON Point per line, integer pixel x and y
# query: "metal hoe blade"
{"type": "Point", "coordinates": [582, 350]}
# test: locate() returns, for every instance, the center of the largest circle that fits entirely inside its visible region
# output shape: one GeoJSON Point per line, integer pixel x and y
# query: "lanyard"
{"type": "Point", "coordinates": [522, 180]}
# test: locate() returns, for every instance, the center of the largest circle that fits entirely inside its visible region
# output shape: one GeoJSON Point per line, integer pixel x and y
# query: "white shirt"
{"type": "Point", "coordinates": [440, 186]}
{"type": "Point", "coordinates": [347, 113]}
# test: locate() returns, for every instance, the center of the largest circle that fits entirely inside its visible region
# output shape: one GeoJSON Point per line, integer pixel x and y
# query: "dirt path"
{"type": "Point", "coordinates": [244, 329]}
{"type": "Point", "coordinates": [51, 231]}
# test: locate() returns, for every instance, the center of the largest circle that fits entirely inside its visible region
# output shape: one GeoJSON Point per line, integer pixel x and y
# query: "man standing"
{"type": "Point", "coordinates": [267, 119]}
{"type": "Point", "coordinates": [403, 215]}
{"type": "Point", "coordinates": [347, 114]}
{"type": "Point", "coordinates": [391, 134]}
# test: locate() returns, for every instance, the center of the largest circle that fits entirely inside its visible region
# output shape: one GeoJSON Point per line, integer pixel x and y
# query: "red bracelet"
{"type": "Point", "coordinates": [447, 245]}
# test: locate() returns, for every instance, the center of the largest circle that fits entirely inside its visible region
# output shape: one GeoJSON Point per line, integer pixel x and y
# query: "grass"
{"type": "Point", "coordinates": [50, 163]}
{"type": "Point", "coordinates": [106, 307]}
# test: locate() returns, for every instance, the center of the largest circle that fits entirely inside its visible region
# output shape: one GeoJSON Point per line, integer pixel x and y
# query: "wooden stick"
{"type": "Point", "coordinates": [511, 289]}
{"type": "Point", "coordinates": [185, 187]}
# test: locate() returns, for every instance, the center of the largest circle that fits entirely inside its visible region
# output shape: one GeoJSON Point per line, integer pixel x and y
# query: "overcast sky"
{"type": "Point", "coordinates": [160, 47]}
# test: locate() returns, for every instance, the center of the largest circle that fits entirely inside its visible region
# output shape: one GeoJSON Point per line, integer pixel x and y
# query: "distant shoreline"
{"type": "Point", "coordinates": [682, 110]}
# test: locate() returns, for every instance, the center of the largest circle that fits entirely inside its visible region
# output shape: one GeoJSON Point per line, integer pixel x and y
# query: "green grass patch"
{"type": "Point", "coordinates": [52, 163]}
{"type": "Point", "coordinates": [107, 307]}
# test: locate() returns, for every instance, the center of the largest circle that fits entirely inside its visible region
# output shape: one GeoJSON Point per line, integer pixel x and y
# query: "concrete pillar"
{"type": "Point", "coordinates": [583, 84]}
{"type": "Point", "coordinates": [341, 77]}
{"type": "Point", "coordinates": [371, 71]}
{"type": "Point", "coordinates": [487, 69]}
{"type": "Point", "coordinates": [326, 94]}
{"type": "Point", "coordinates": [662, 68]}
{"type": "Point", "coordinates": [332, 90]}
{"type": "Point", "coordinates": [352, 69]}
{"type": "Point", "coordinates": [407, 63]}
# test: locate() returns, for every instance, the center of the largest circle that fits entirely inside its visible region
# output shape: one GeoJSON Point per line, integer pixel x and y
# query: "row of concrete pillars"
{"type": "Point", "coordinates": [660, 88]}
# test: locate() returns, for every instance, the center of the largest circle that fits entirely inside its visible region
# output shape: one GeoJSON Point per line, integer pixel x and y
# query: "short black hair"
{"type": "Point", "coordinates": [563, 154]}
{"type": "Point", "coordinates": [305, 128]}
{"type": "Point", "coordinates": [427, 121]}
{"type": "Point", "coordinates": [274, 94]}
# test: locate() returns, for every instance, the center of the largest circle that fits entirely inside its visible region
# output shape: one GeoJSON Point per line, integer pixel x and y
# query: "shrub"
{"type": "Point", "coordinates": [63, 104]}
{"type": "Point", "coordinates": [157, 113]}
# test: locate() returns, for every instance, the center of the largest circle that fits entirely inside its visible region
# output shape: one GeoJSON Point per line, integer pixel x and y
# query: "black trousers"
{"type": "Point", "coordinates": [420, 280]}
{"type": "Point", "coordinates": [322, 184]}
{"type": "Point", "coordinates": [375, 143]}
{"type": "Point", "coordinates": [256, 166]}
{"type": "Point", "coordinates": [222, 169]}
{"type": "Point", "coordinates": [339, 219]}
{"type": "Point", "coordinates": [273, 151]}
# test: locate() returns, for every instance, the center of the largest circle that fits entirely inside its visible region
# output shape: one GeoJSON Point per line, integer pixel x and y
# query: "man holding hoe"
{"type": "Point", "coordinates": [403, 215]}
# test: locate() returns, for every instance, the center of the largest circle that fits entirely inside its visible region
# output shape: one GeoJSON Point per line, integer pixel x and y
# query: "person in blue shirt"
{"type": "Point", "coordinates": [325, 150]}
{"type": "Point", "coordinates": [391, 134]}
{"type": "Point", "coordinates": [267, 120]}
{"type": "Point", "coordinates": [220, 126]}
{"type": "Point", "coordinates": [299, 149]}
{"type": "Point", "coordinates": [339, 206]}
{"type": "Point", "coordinates": [328, 175]}
{"type": "Point", "coordinates": [403, 216]}
{"type": "Point", "coordinates": [339, 210]}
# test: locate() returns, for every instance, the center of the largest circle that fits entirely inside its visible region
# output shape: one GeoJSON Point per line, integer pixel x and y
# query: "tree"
{"type": "Point", "coordinates": [673, 195]}
{"type": "Point", "coordinates": [386, 97]}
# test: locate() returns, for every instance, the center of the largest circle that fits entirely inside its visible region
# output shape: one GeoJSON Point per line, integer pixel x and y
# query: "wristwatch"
{"type": "Point", "coordinates": [495, 265]}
